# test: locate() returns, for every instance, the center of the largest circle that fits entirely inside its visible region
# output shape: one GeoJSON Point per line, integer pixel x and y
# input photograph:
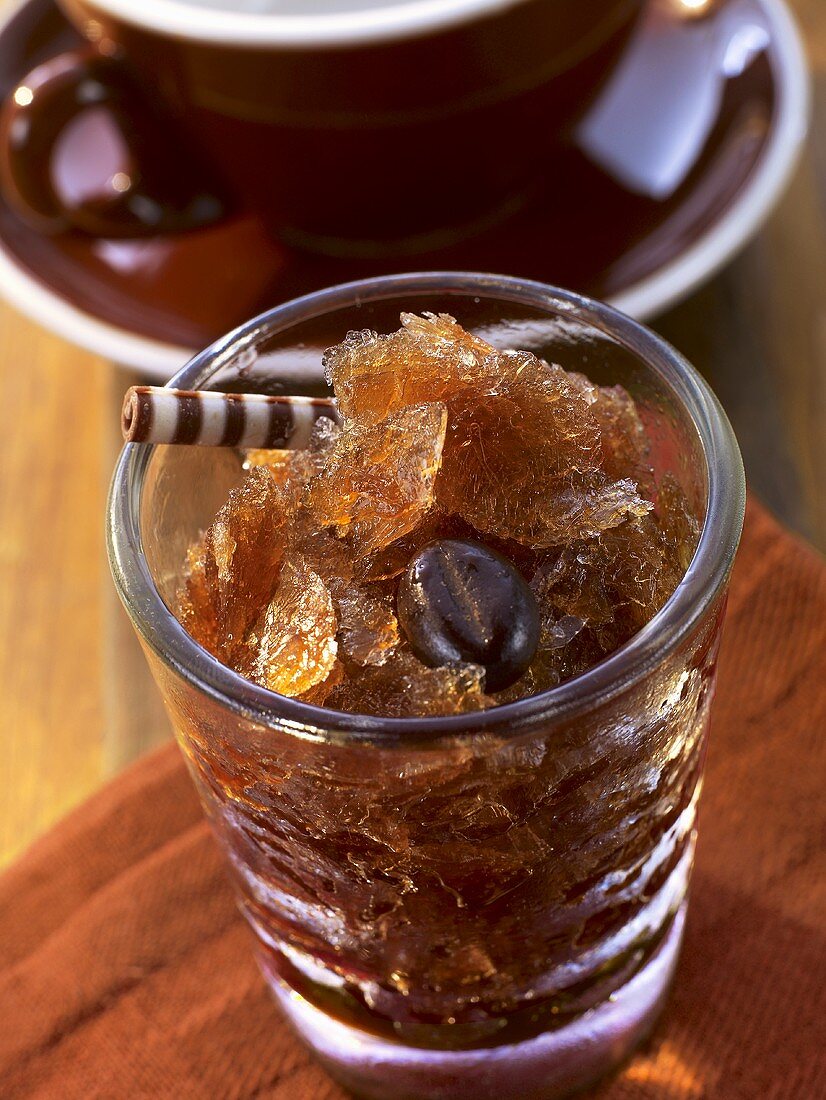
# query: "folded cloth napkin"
{"type": "Point", "coordinates": [126, 972]}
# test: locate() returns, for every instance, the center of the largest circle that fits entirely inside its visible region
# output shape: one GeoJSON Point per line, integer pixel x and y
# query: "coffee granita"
{"type": "Point", "coordinates": [481, 526]}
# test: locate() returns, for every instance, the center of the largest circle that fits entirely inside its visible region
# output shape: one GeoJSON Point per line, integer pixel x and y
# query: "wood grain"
{"type": "Point", "coordinates": [51, 500]}
{"type": "Point", "coordinates": [76, 702]}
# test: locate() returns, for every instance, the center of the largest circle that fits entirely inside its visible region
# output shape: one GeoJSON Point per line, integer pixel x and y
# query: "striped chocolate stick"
{"type": "Point", "coordinates": [154, 414]}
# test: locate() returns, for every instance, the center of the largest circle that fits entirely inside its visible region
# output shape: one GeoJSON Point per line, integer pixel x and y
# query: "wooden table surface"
{"type": "Point", "coordinates": [76, 704]}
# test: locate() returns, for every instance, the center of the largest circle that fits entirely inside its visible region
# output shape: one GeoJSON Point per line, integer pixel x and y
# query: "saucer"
{"type": "Point", "coordinates": [677, 163]}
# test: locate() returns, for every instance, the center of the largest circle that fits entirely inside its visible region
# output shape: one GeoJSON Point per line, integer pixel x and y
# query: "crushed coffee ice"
{"type": "Point", "coordinates": [445, 442]}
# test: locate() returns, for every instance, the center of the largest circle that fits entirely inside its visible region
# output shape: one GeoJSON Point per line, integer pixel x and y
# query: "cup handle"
{"type": "Point", "coordinates": [81, 148]}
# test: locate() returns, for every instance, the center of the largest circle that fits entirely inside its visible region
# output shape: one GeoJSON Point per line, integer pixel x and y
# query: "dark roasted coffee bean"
{"type": "Point", "coordinates": [461, 601]}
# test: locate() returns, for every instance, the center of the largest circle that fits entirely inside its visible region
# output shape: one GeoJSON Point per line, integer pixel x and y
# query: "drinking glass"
{"type": "Point", "coordinates": [480, 905]}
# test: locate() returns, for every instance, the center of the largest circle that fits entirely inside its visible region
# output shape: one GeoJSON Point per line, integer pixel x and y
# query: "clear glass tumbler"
{"type": "Point", "coordinates": [481, 905]}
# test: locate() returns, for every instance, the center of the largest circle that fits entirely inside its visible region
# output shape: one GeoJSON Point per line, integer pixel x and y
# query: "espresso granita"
{"type": "Point", "coordinates": [458, 638]}
{"type": "Point", "coordinates": [479, 526]}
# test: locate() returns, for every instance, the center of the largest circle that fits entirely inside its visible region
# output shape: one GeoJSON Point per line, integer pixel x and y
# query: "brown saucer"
{"type": "Point", "coordinates": [674, 167]}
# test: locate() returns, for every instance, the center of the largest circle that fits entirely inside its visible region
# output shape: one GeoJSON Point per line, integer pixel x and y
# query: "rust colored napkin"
{"type": "Point", "coordinates": [126, 972]}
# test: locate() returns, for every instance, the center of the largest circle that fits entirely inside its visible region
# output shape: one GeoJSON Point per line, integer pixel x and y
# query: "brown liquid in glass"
{"type": "Point", "coordinates": [480, 893]}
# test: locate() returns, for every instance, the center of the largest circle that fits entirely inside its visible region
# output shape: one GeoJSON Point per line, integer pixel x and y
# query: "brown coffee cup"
{"type": "Point", "coordinates": [389, 128]}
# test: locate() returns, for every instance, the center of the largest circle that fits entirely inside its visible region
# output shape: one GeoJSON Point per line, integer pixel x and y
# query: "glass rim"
{"type": "Point", "coordinates": [704, 579]}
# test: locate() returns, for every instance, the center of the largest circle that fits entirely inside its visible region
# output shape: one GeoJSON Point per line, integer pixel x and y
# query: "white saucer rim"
{"type": "Point", "coordinates": [643, 300]}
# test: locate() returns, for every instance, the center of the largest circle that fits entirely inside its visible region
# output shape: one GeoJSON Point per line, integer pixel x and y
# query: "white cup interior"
{"type": "Point", "coordinates": [356, 24]}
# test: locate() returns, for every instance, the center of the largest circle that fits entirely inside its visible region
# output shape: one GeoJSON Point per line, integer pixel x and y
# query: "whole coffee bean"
{"type": "Point", "coordinates": [458, 600]}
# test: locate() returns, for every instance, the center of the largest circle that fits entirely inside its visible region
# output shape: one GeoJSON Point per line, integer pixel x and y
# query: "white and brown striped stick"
{"type": "Point", "coordinates": [154, 414]}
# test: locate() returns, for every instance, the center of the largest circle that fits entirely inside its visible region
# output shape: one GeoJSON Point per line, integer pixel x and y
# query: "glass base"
{"type": "Point", "coordinates": [547, 1067]}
